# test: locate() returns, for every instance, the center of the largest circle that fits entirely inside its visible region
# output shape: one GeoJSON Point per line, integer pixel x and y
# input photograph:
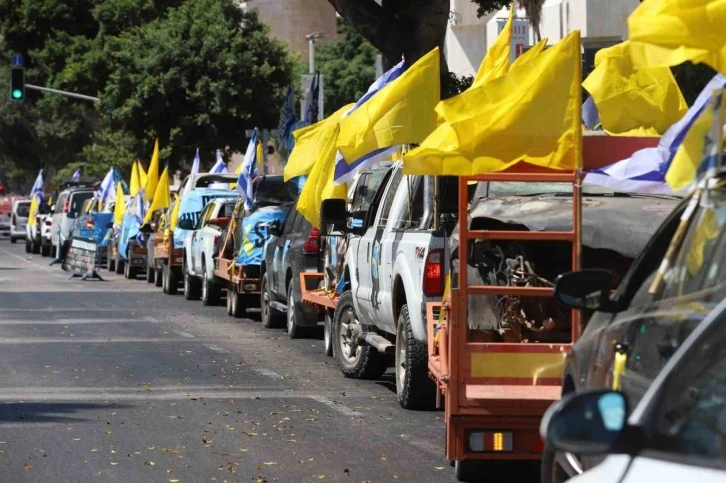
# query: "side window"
{"type": "Point", "coordinates": [60, 203]}
{"type": "Point", "coordinates": [390, 196]}
{"type": "Point", "coordinates": [412, 214]}
{"type": "Point", "coordinates": [698, 265]}
{"type": "Point", "coordinates": [289, 222]}
{"type": "Point", "coordinates": [204, 216]}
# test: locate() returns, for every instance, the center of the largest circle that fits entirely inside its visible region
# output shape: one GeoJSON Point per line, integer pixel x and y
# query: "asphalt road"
{"type": "Point", "coordinates": [116, 382]}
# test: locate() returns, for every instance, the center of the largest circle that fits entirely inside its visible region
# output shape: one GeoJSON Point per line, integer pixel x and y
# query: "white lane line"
{"type": "Point", "coordinates": [337, 407]}
{"type": "Point", "coordinates": [267, 372]}
{"type": "Point", "coordinates": [183, 334]}
{"type": "Point", "coordinates": [216, 348]}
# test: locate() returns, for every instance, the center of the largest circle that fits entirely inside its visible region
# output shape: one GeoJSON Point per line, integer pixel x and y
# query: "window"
{"type": "Point", "coordinates": [204, 217]}
{"type": "Point", "coordinates": [77, 202]}
{"type": "Point", "coordinates": [289, 222]}
{"type": "Point", "coordinates": [61, 203]}
{"type": "Point", "coordinates": [226, 210]}
{"type": "Point", "coordinates": [412, 214]}
{"type": "Point", "coordinates": [390, 195]}
{"type": "Point", "coordinates": [23, 209]}
{"type": "Point", "coordinates": [691, 415]}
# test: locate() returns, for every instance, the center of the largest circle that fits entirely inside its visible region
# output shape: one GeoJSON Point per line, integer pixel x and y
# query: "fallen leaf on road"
{"type": "Point", "coordinates": [173, 481]}
{"type": "Point", "coordinates": [94, 450]}
{"type": "Point", "coordinates": [28, 467]}
{"type": "Point", "coordinates": [270, 463]}
{"type": "Point", "coordinates": [149, 463]}
{"type": "Point", "coordinates": [113, 463]}
{"type": "Point", "coordinates": [439, 467]}
{"type": "Point", "coordinates": [76, 439]}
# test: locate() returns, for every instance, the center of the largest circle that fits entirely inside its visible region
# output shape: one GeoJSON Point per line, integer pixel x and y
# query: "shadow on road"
{"type": "Point", "coordinates": [48, 412]}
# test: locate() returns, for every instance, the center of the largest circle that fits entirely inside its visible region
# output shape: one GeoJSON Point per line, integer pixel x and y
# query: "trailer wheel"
{"type": "Point", "coordinates": [192, 288]}
{"type": "Point", "coordinates": [328, 333]}
{"type": "Point", "coordinates": [355, 361]}
{"type": "Point", "coordinates": [468, 470]}
{"type": "Point", "coordinates": [294, 330]}
{"type": "Point", "coordinates": [158, 277]}
{"type": "Point", "coordinates": [415, 389]}
{"type": "Point", "coordinates": [172, 284]}
{"type": "Point", "coordinates": [150, 274]}
{"type": "Point", "coordinates": [210, 290]}
{"type": "Point", "coordinates": [271, 318]}
{"type": "Point", "coordinates": [229, 300]}
{"type": "Point", "coordinates": [238, 307]}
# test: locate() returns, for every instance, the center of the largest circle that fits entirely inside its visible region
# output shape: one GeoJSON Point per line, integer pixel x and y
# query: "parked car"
{"type": "Point", "coordinates": [633, 332]}
{"type": "Point", "coordinates": [674, 434]}
{"type": "Point", "coordinates": [34, 230]}
{"type": "Point", "coordinates": [19, 220]}
{"type": "Point", "coordinates": [201, 247]}
{"type": "Point", "coordinates": [6, 211]}
{"type": "Point", "coordinates": [67, 208]}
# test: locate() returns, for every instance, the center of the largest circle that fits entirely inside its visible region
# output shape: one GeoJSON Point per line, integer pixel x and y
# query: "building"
{"type": "Point", "coordinates": [292, 20]}
{"type": "Point", "coordinates": [601, 23]}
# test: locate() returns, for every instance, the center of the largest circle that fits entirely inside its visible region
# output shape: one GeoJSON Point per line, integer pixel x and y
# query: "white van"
{"type": "Point", "coordinates": [18, 220]}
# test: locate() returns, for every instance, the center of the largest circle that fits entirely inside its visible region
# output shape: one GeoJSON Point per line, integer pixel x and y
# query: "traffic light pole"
{"type": "Point", "coordinates": [62, 93]}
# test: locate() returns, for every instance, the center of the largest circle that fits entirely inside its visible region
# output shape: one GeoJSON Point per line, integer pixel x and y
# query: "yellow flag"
{"type": "Point", "coordinates": [174, 215]}
{"type": "Point", "coordinates": [669, 32]}
{"type": "Point", "coordinates": [633, 101]}
{"type": "Point", "coordinates": [142, 175]}
{"type": "Point", "coordinates": [309, 143]}
{"type": "Point", "coordinates": [496, 60]}
{"type": "Point", "coordinates": [161, 199]}
{"type": "Point", "coordinates": [120, 208]}
{"type": "Point", "coordinates": [33, 209]}
{"type": "Point", "coordinates": [135, 181]}
{"type": "Point", "coordinates": [319, 185]}
{"type": "Point", "coordinates": [152, 177]}
{"type": "Point", "coordinates": [706, 231]}
{"type": "Point", "coordinates": [703, 140]}
{"type": "Point", "coordinates": [260, 155]}
{"type": "Point", "coordinates": [530, 54]}
{"type": "Point", "coordinates": [532, 114]}
{"type": "Point", "coordinates": [400, 113]}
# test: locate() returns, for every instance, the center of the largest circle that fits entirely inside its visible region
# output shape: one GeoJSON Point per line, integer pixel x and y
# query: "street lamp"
{"type": "Point", "coordinates": [311, 52]}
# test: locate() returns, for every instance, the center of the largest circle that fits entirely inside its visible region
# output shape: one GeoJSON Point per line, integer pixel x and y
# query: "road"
{"type": "Point", "coordinates": [116, 382]}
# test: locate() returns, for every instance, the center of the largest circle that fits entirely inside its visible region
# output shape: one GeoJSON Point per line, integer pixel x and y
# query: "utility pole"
{"type": "Point", "coordinates": [312, 38]}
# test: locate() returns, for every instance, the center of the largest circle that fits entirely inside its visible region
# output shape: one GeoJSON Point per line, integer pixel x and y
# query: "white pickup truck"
{"type": "Point", "coordinates": [395, 263]}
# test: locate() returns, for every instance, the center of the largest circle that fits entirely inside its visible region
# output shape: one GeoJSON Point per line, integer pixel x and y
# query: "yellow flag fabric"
{"type": "Point", "coordinates": [532, 114]}
{"type": "Point", "coordinates": [530, 54]}
{"type": "Point", "coordinates": [174, 215]}
{"type": "Point", "coordinates": [669, 32]}
{"type": "Point", "coordinates": [135, 181]}
{"type": "Point", "coordinates": [142, 175]}
{"type": "Point", "coordinates": [33, 210]}
{"type": "Point", "coordinates": [400, 113]}
{"type": "Point", "coordinates": [707, 230]}
{"type": "Point", "coordinates": [152, 177]}
{"type": "Point", "coordinates": [309, 143]}
{"type": "Point", "coordinates": [260, 155]}
{"type": "Point", "coordinates": [496, 60]}
{"type": "Point", "coordinates": [633, 101]}
{"type": "Point", "coordinates": [694, 149]}
{"type": "Point", "coordinates": [161, 199]}
{"type": "Point", "coordinates": [119, 209]}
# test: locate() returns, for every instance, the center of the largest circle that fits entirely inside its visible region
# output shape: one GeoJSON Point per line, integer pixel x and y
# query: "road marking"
{"type": "Point", "coordinates": [267, 372]}
{"type": "Point", "coordinates": [337, 407]}
{"type": "Point", "coordinates": [15, 256]}
{"type": "Point", "coordinates": [183, 334]}
{"type": "Point", "coordinates": [216, 348]}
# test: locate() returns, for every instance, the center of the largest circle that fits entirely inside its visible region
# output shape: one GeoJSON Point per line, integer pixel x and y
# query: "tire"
{"type": "Point", "coordinates": [367, 362]}
{"type": "Point", "coordinates": [229, 300]}
{"type": "Point", "coordinates": [44, 250]}
{"type": "Point", "coordinates": [192, 288]}
{"type": "Point", "coordinates": [35, 248]}
{"type": "Point", "coordinates": [130, 271]}
{"type": "Point", "coordinates": [294, 330]}
{"type": "Point", "coordinates": [271, 318]}
{"type": "Point", "coordinates": [158, 277]}
{"type": "Point", "coordinates": [238, 306]}
{"type": "Point", "coordinates": [28, 248]}
{"type": "Point", "coordinates": [550, 470]}
{"type": "Point", "coordinates": [328, 333]}
{"type": "Point", "coordinates": [468, 470]}
{"type": "Point", "coordinates": [414, 388]}
{"type": "Point", "coordinates": [27, 244]}
{"type": "Point", "coordinates": [150, 274]}
{"type": "Point", "coordinates": [210, 290]}
{"type": "Point", "coordinates": [111, 261]}
{"type": "Point", "coordinates": [171, 281]}
{"type": "Point", "coordinates": [119, 266]}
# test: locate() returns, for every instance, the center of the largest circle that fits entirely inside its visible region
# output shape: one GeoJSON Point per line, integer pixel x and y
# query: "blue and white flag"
{"type": "Point", "coordinates": [590, 116]}
{"type": "Point", "coordinates": [195, 164]}
{"type": "Point", "coordinates": [248, 172]}
{"type": "Point", "coordinates": [107, 186]}
{"type": "Point", "coordinates": [645, 170]}
{"type": "Point", "coordinates": [344, 172]}
{"type": "Point", "coordinates": [140, 215]}
{"type": "Point", "coordinates": [287, 117]}
{"type": "Point", "coordinates": [311, 104]}
{"type": "Point", "coordinates": [37, 188]}
{"type": "Point", "coordinates": [76, 176]}
{"type": "Point", "coordinates": [219, 167]}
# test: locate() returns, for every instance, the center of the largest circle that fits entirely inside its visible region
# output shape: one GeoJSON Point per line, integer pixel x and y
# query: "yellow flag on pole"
{"type": "Point", "coordinates": [530, 54]}
{"type": "Point", "coordinates": [119, 209]}
{"type": "Point", "coordinates": [669, 32]}
{"type": "Point", "coordinates": [135, 181]}
{"type": "Point", "coordinates": [402, 112]}
{"type": "Point", "coordinates": [260, 155]}
{"type": "Point", "coordinates": [309, 143]}
{"type": "Point", "coordinates": [174, 215]}
{"type": "Point", "coordinates": [496, 60]}
{"type": "Point", "coordinates": [33, 209]}
{"type": "Point", "coordinates": [152, 177]}
{"type": "Point", "coordinates": [161, 199]}
{"type": "Point", "coordinates": [631, 101]}
{"type": "Point", "coordinates": [532, 114]}
{"type": "Point", "coordinates": [142, 175]}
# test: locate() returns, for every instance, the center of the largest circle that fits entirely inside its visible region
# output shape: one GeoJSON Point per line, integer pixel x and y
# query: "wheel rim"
{"type": "Point", "coordinates": [349, 330]}
{"type": "Point", "coordinates": [326, 333]}
{"type": "Point", "coordinates": [290, 315]}
{"type": "Point", "coordinates": [401, 349]}
{"type": "Point", "coordinates": [186, 282]}
{"type": "Point", "coordinates": [265, 305]}
{"type": "Point", "coordinates": [565, 466]}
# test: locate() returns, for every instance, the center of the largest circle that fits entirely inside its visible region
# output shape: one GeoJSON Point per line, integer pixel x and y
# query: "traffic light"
{"type": "Point", "coordinates": [17, 83]}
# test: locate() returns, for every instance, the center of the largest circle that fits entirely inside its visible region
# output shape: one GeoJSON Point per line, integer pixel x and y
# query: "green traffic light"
{"type": "Point", "coordinates": [17, 94]}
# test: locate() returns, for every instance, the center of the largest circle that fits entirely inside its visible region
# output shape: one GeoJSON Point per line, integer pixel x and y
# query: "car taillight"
{"type": "Point", "coordinates": [67, 207]}
{"type": "Point", "coordinates": [48, 222]}
{"type": "Point", "coordinates": [37, 220]}
{"type": "Point", "coordinates": [13, 218]}
{"type": "Point", "coordinates": [89, 224]}
{"type": "Point", "coordinates": [433, 280]}
{"type": "Point", "coordinates": [313, 241]}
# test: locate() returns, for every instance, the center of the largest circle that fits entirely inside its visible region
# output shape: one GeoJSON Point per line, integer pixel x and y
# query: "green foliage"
{"type": "Point", "coordinates": [347, 65]}
{"type": "Point", "coordinates": [486, 6]}
{"type": "Point", "coordinates": [692, 78]}
{"type": "Point", "coordinates": [451, 84]}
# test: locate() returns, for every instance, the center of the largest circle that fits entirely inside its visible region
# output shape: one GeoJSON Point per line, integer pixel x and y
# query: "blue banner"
{"type": "Point", "coordinates": [255, 233]}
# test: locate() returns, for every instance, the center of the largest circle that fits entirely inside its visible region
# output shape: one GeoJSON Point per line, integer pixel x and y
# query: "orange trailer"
{"type": "Point", "coordinates": [495, 393]}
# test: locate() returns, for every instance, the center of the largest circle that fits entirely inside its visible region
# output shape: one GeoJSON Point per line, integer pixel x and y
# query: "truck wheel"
{"type": "Point", "coordinates": [171, 281]}
{"type": "Point", "coordinates": [119, 266]}
{"type": "Point", "coordinates": [130, 271]}
{"type": "Point", "coordinates": [210, 290]}
{"type": "Point", "coordinates": [27, 244]}
{"type": "Point", "coordinates": [44, 251]}
{"type": "Point", "coordinates": [158, 277]}
{"type": "Point", "coordinates": [328, 333]}
{"type": "Point", "coordinates": [35, 248]}
{"type": "Point", "coordinates": [111, 263]}
{"type": "Point", "coordinates": [53, 252]}
{"type": "Point", "coordinates": [294, 313]}
{"type": "Point", "coordinates": [271, 318]}
{"type": "Point", "coordinates": [150, 274]}
{"type": "Point", "coordinates": [238, 306]}
{"type": "Point", "coordinates": [192, 288]}
{"type": "Point", "coordinates": [229, 300]}
{"type": "Point", "coordinates": [415, 389]}
{"type": "Point", "coordinates": [355, 361]}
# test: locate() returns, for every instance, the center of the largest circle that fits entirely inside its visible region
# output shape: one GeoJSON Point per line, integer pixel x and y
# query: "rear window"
{"type": "Point", "coordinates": [272, 193]}
{"type": "Point", "coordinates": [23, 209]}
{"type": "Point", "coordinates": [61, 201]}
{"type": "Point", "coordinates": [78, 200]}
{"type": "Point", "coordinates": [226, 210]}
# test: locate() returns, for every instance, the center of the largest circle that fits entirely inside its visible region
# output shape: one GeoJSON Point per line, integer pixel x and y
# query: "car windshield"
{"type": "Point", "coordinates": [23, 209]}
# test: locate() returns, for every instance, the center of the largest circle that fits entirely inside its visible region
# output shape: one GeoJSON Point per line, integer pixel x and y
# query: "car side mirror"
{"type": "Point", "coordinates": [334, 214]}
{"type": "Point", "coordinates": [221, 222]}
{"type": "Point", "coordinates": [185, 224]}
{"type": "Point", "coordinates": [275, 229]}
{"type": "Point", "coordinates": [587, 423]}
{"type": "Point", "coordinates": [585, 290]}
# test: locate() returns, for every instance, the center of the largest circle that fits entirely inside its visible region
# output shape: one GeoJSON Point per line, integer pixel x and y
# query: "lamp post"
{"type": "Point", "coordinates": [311, 50]}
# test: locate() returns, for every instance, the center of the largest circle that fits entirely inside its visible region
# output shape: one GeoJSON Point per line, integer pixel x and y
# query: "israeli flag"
{"type": "Point", "coordinates": [140, 215]}
{"type": "Point", "coordinates": [590, 116]}
{"type": "Point", "coordinates": [76, 176]}
{"type": "Point", "coordinates": [344, 172]}
{"type": "Point", "coordinates": [107, 186]}
{"type": "Point", "coordinates": [645, 170]}
{"type": "Point", "coordinates": [248, 172]}
{"type": "Point", "coordinates": [37, 188]}
{"type": "Point", "coordinates": [219, 167]}
{"type": "Point", "coordinates": [195, 164]}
